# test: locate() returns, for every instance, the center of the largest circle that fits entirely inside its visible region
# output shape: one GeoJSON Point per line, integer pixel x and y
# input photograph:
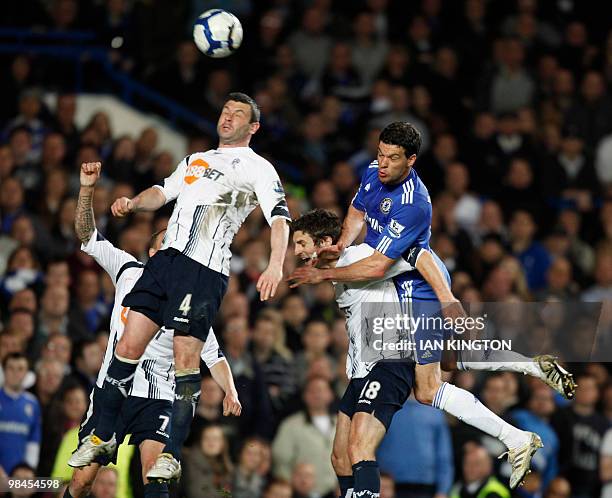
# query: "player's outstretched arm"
{"type": "Point", "coordinates": [222, 374]}
{"type": "Point", "coordinates": [149, 200]}
{"type": "Point", "coordinates": [373, 267]}
{"type": "Point", "coordinates": [271, 277]}
{"type": "Point", "coordinates": [84, 222]}
{"type": "Point", "coordinates": [428, 268]}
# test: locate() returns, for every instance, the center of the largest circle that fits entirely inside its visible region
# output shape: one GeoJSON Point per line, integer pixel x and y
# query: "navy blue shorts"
{"type": "Point", "coordinates": [179, 293]}
{"type": "Point", "coordinates": [142, 418]}
{"type": "Point", "coordinates": [382, 392]}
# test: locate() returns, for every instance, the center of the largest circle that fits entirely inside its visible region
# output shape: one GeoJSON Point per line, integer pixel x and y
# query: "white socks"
{"type": "Point", "coordinates": [467, 408]}
{"type": "Point", "coordinates": [509, 361]}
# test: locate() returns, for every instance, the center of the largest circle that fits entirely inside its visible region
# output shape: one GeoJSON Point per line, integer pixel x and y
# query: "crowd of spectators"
{"type": "Point", "coordinates": [513, 101]}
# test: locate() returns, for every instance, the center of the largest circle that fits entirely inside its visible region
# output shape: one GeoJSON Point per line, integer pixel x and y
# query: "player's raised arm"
{"type": "Point", "coordinates": [149, 200]}
{"type": "Point", "coordinates": [84, 222]}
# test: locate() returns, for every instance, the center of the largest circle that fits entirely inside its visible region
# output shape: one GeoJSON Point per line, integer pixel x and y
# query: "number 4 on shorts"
{"type": "Point", "coordinates": [185, 304]}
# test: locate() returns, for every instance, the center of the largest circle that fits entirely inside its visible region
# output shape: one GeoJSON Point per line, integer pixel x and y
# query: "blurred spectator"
{"type": "Point", "coordinates": [303, 479]}
{"type": "Point", "coordinates": [247, 482]}
{"type": "Point", "coordinates": [256, 406]}
{"type": "Point", "coordinates": [427, 469]}
{"type": "Point", "coordinates": [274, 358]}
{"type": "Point", "coordinates": [387, 486]}
{"type": "Point", "coordinates": [62, 423]}
{"type": "Point", "coordinates": [207, 467]}
{"type": "Point", "coordinates": [532, 255]}
{"type": "Point", "coordinates": [310, 45]}
{"type": "Point", "coordinates": [106, 483]}
{"type": "Point", "coordinates": [478, 478]}
{"type": "Point", "coordinates": [581, 430]}
{"type": "Point", "coordinates": [536, 418]}
{"type": "Point", "coordinates": [278, 489]}
{"type": "Point", "coordinates": [307, 437]}
{"type": "Point", "coordinates": [87, 362]}
{"type": "Point", "coordinates": [559, 487]}
{"type": "Point", "coordinates": [20, 417]}
{"type": "Point", "coordinates": [316, 339]}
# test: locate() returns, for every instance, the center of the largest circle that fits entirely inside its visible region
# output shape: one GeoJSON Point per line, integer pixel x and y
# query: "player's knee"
{"type": "Point", "coordinates": [425, 395]}
{"type": "Point", "coordinates": [127, 350]}
{"type": "Point", "coordinates": [340, 462]}
{"type": "Point", "coordinates": [359, 451]}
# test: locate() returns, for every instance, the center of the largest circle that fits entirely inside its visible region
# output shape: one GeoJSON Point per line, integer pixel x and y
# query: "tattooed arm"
{"type": "Point", "coordinates": [85, 223]}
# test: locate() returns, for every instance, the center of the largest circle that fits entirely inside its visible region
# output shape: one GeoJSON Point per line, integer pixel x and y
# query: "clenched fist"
{"type": "Point", "coordinates": [122, 207]}
{"type": "Point", "coordinates": [90, 172]}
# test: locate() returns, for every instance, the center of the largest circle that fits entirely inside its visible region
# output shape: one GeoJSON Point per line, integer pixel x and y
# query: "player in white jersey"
{"type": "Point", "coordinates": [146, 413]}
{"type": "Point", "coordinates": [183, 284]}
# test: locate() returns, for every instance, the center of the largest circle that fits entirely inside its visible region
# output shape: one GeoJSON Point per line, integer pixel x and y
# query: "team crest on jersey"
{"type": "Point", "coordinates": [201, 169]}
{"type": "Point", "coordinates": [385, 205]}
{"type": "Point", "coordinates": [396, 229]}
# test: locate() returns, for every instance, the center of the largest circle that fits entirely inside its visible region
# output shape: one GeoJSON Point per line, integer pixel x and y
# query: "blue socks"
{"type": "Point", "coordinates": [346, 483]}
{"type": "Point", "coordinates": [117, 384]}
{"type": "Point", "coordinates": [156, 490]}
{"type": "Point", "coordinates": [367, 479]}
{"type": "Point", "coordinates": [186, 396]}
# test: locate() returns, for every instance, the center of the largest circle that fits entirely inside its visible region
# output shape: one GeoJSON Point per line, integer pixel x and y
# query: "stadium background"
{"type": "Point", "coordinates": [513, 100]}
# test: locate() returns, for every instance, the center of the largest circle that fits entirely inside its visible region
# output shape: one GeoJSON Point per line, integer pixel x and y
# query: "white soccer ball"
{"type": "Point", "coordinates": [217, 33]}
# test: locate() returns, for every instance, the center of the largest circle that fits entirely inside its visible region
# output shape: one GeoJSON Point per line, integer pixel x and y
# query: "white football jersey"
{"type": "Point", "coordinates": [154, 376]}
{"type": "Point", "coordinates": [215, 191]}
{"type": "Point", "coordinates": [382, 300]}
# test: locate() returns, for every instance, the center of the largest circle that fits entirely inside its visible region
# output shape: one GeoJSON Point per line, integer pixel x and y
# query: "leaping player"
{"type": "Point", "coordinates": [147, 410]}
{"type": "Point", "coordinates": [183, 284]}
{"type": "Point", "coordinates": [397, 208]}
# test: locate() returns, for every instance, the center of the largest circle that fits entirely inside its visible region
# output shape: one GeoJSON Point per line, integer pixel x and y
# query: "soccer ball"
{"type": "Point", "coordinates": [217, 33]}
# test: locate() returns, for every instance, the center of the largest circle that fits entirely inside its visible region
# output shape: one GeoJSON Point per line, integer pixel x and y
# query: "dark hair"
{"type": "Point", "coordinates": [319, 223]}
{"type": "Point", "coordinates": [403, 135]}
{"type": "Point", "coordinates": [81, 346]}
{"type": "Point", "coordinates": [24, 466]}
{"type": "Point", "coordinates": [14, 356]}
{"type": "Point", "coordinates": [245, 99]}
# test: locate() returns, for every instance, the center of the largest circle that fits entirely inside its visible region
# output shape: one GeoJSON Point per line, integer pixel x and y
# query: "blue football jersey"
{"type": "Point", "coordinates": [398, 218]}
{"type": "Point", "coordinates": [20, 424]}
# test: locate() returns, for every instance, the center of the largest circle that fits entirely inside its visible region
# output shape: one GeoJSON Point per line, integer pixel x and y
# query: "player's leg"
{"type": "Point", "coordinates": [340, 459]}
{"type": "Point", "coordinates": [430, 390]}
{"type": "Point", "coordinates": [149, 451]}
{"type": "Point", "coordinates": [81, 481]}
{"type": "Point", "coordinates": [187, 350]}
{"type": "Point", "coordinates": [139, 330]}
{"type": "Point", "coordinates": [365, 436]}
{"type": "Point", "coordinates": [543, 367]}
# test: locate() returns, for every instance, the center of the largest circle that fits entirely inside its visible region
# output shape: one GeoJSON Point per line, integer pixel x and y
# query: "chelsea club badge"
{"type": "Point", "coordinates": [385, 205]}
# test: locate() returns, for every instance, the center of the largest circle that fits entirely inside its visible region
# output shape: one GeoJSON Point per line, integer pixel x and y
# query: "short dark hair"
{"type": "Point", "coordinates": [14, 356]}
{"type": "Point", "coordinates": [319, 223]}
{"type": "Point", "coordinates": [403, 135]}
{"type": "Point", "coordinates": [245, 99]}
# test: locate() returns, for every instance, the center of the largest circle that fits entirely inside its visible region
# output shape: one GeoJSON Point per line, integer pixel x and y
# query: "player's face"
{"type": "Point", "coordinates": [393, 165]}
{"type": "Point", "coordinates": [305, 247]}
{"type": "Point", "coordinates": [234, 124]}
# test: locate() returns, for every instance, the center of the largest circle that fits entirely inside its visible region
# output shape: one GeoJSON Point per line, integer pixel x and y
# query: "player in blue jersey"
{"type": "Point", "coordinates": [396, 207]}
{"type": "Point", "coordinates": [20, 423]}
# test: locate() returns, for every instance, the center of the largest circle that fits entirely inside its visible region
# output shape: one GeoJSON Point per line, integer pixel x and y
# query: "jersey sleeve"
{"type": "Point", "coordinates": [211, 354]}
{"type": "Point", "coordinates": [406, 229]}
{"type": "Point", "coordinates": [106, 254]}
{"type": "Point", "coordinates": [270, 194]}
{"type": "Point", "coordinates": [358, 200]}
{"type": "Point", "coordinates": [171, 186]}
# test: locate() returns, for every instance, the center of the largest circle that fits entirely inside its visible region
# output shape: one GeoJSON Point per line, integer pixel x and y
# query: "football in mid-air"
{"type": "Point", "coordinates": [217, 33]}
